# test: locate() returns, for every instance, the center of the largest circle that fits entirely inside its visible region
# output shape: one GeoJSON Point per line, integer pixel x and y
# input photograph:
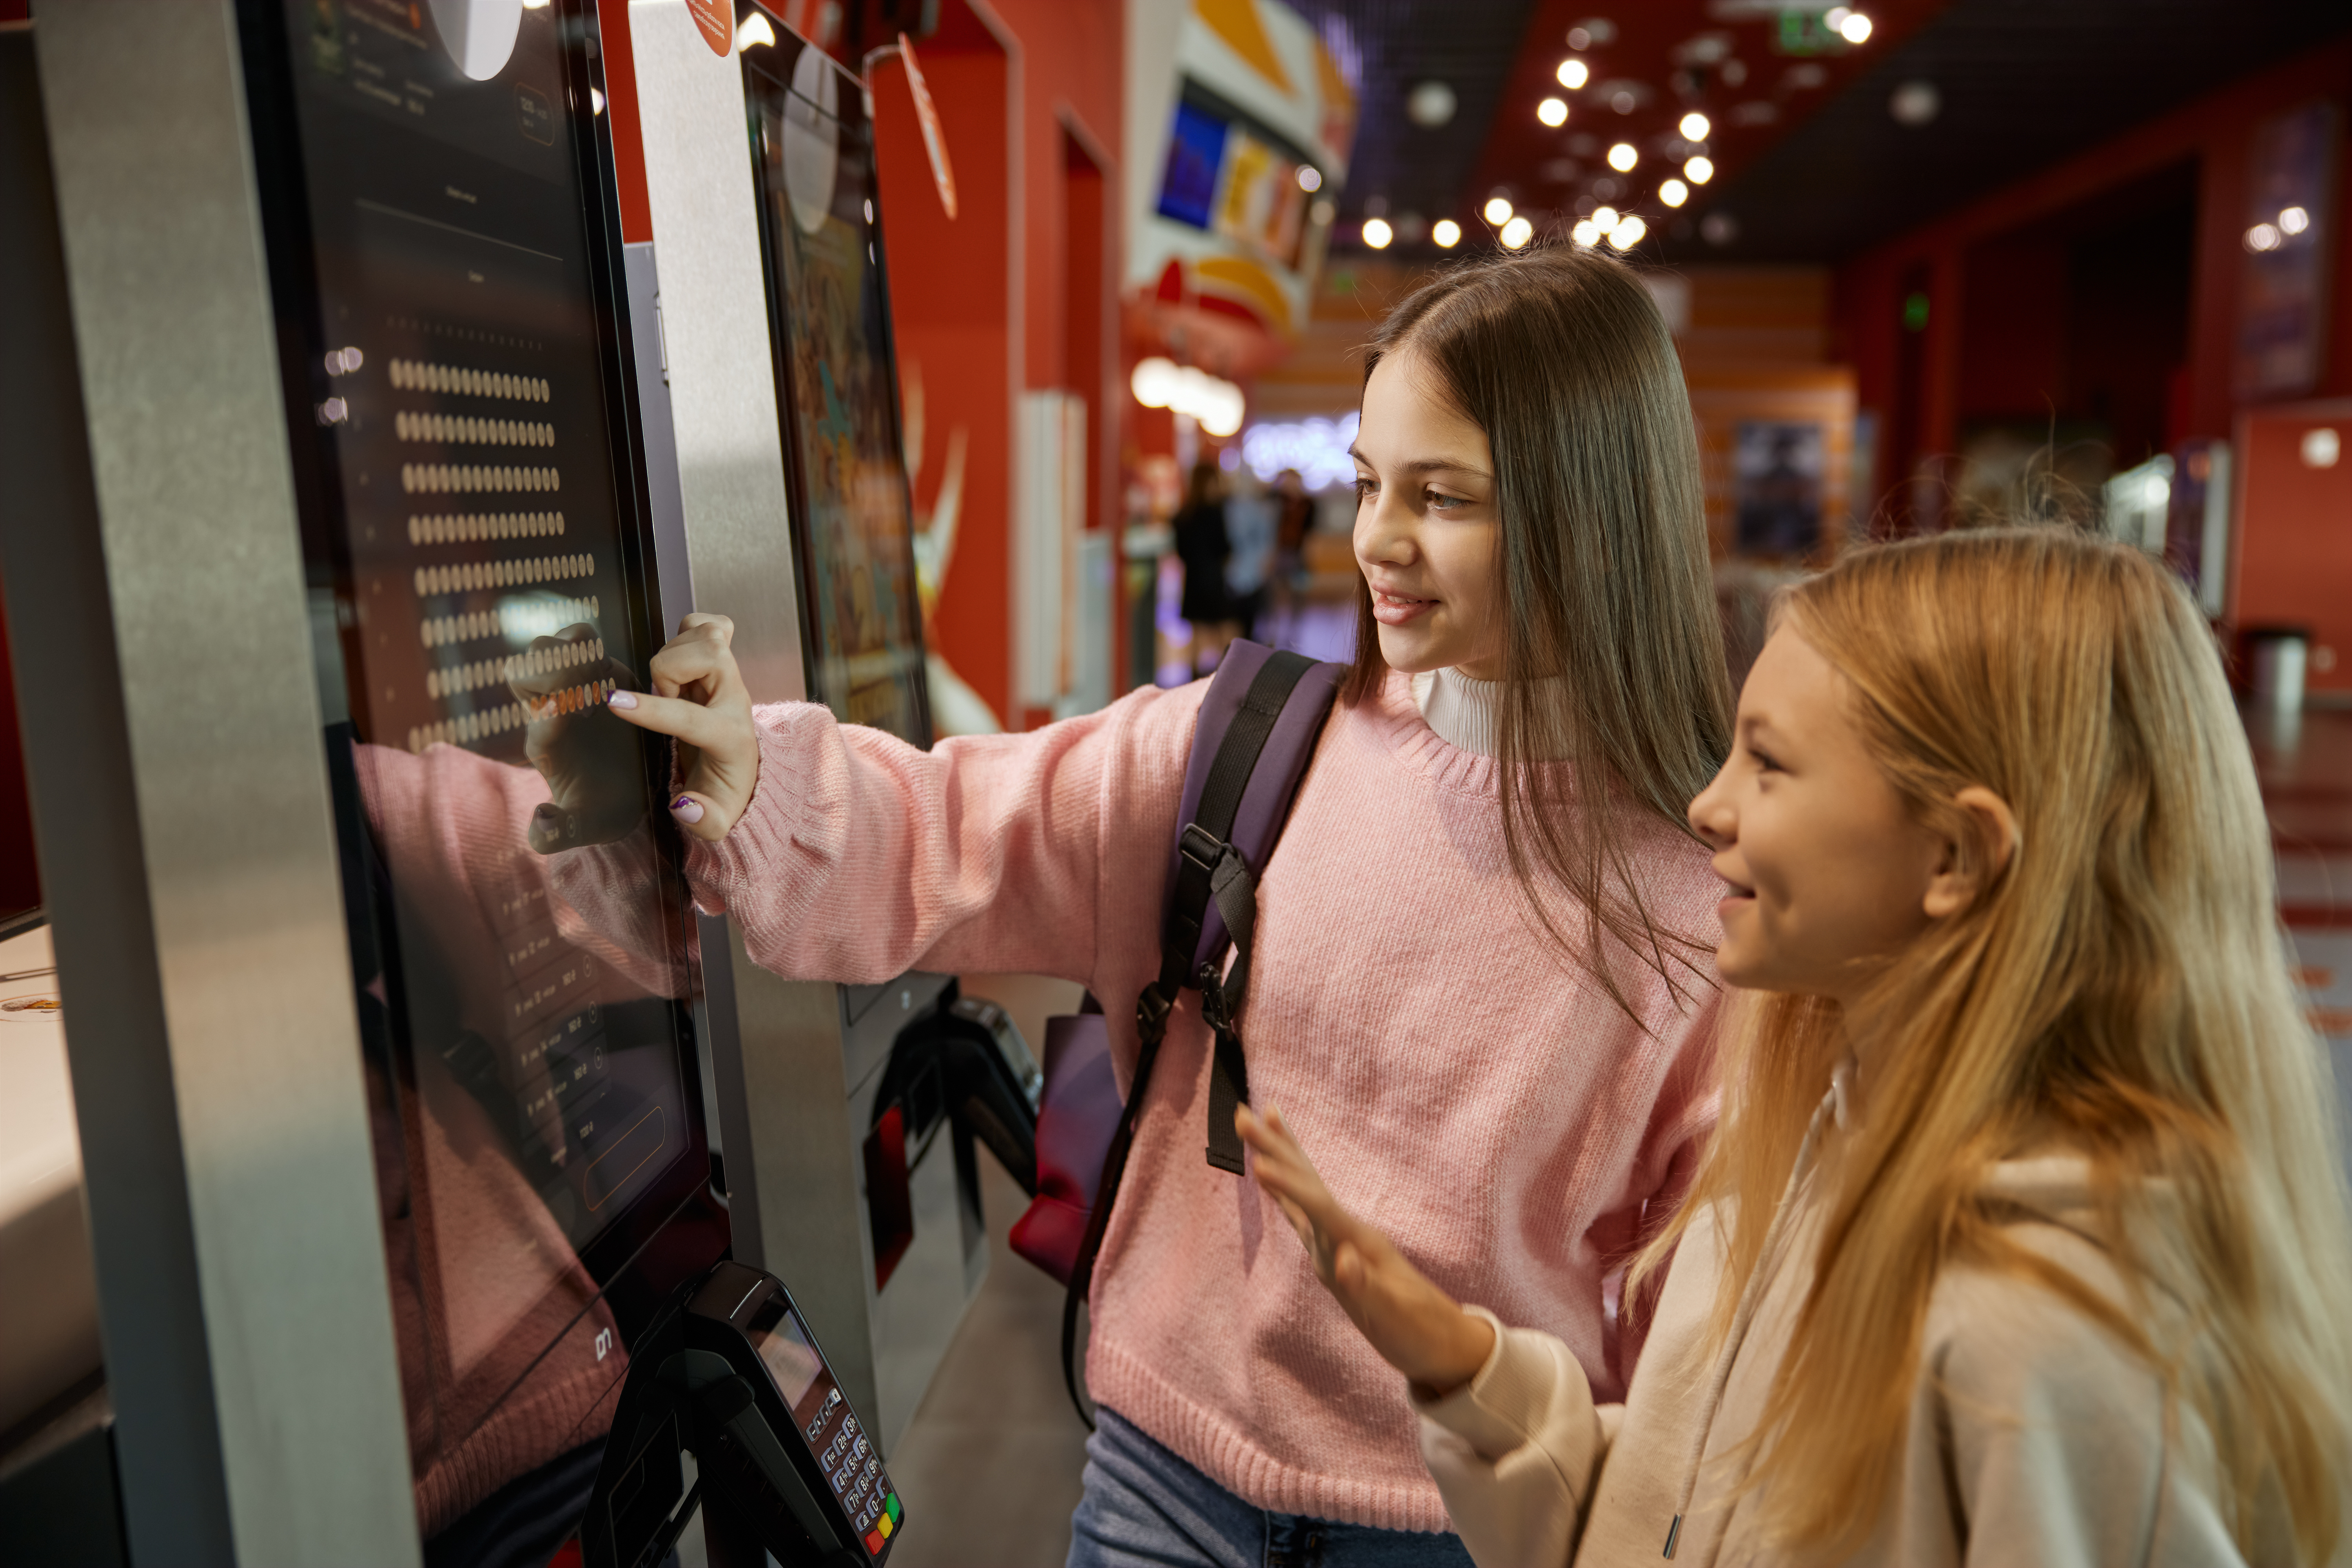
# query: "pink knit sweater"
{"type": "Point", "coordinates": [1458, 1083]}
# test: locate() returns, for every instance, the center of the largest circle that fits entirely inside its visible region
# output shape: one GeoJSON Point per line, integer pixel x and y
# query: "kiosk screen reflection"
{"type": "Point", "coordinates": [830, 316]}
{"type": "Point", "coordinates": [441, 226]}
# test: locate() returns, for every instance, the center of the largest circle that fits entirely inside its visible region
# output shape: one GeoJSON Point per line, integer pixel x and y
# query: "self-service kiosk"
{"type": "Point", "coordinates": [414, 1096]}
{"type": "Point", "coordinates": [774, 318]}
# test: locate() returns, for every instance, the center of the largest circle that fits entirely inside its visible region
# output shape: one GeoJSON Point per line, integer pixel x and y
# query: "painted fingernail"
{"type": "Point", "coordinates": [687, 810]}
{"type": "Point", "coordinates": [621, 700]}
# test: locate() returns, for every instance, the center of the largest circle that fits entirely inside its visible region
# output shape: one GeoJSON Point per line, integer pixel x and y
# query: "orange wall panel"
{"type": "Point", "coordinates": [2294, 546]}
{"type": "Point", "coordinates": [953, 313]}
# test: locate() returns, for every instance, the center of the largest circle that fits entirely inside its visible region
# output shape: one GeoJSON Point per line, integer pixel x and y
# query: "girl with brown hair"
{"type": "Point", "coordinates": [2024, 1237]}
{"type": "Point", "coordinates": [1477, 958]}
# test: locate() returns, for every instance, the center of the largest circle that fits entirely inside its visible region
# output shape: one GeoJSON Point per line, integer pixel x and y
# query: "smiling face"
{"type": "Point", "coordinates": [1829, 873]}
{"type": "Point", "coordinates": [1427, 528]}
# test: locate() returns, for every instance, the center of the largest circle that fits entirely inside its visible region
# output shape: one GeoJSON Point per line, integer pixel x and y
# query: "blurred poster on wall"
{"type": "Point", "coordinates": [1258, 111]}
{"type": "Point", "coordinates": [2282, 280]}
{"type": "Point", "coordinates": [1776, 473]}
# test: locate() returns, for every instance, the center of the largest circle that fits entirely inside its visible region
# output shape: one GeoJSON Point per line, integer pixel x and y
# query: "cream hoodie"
{"type": "Point", "coordinates": [2034, 1437]}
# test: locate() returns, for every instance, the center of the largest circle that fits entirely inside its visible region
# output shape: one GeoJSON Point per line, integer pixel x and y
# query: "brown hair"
{"type": "Point", "coordinates": [2119, 991]}
{"type": "Point", "coordinates": [1202, 486]}
{"type": "Point", "coordinates": [1559, 355]}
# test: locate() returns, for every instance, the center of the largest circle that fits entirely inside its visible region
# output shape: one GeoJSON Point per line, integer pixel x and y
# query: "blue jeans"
{"type": "Point", "coordinates": [1145, 1506]}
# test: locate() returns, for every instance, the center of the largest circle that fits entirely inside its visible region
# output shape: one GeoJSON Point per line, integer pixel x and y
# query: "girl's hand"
{"type": "Point", "coordinates": [1417, 1328]}
{"type": "Point", "coordinates": [595, 785]}
{"type": "Point", "coordinates": [699, 699]}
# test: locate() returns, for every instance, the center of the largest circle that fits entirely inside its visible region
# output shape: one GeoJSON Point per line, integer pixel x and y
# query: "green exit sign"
{"type": "Point", "coordinates": [1805, 33]}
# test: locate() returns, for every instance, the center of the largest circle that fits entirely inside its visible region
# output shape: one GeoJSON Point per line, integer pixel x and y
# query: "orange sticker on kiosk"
{"type": "Point", "coordinates": [717, 20]}
{"type": "Point", "coordinates": [927, 114]}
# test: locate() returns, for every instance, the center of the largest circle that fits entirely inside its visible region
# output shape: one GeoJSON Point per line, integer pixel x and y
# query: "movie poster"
{"type": "Point", "coordinates": [1776, 473]}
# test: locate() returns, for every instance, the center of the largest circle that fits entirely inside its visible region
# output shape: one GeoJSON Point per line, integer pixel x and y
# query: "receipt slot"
{"type": "Point", "coordinates": [732, 1375]}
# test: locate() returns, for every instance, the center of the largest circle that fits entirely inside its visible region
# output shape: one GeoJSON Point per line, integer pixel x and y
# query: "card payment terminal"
{"type": "Point", "coordinates": [731, 1373]}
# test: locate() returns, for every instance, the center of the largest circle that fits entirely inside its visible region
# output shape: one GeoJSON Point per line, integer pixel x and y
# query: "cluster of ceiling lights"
{"type": "Point", "coordinates": [2270, 236]}
{"type": "Point", "coordinates": [1433, 104]}
{"type": "Point", "coordinates": [1624, 230]}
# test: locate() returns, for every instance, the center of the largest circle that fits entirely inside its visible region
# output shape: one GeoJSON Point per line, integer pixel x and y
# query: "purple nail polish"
{"type": "Point", "coordinates": [621, 700]}
{"type": "Point", "coordinates": [687, 810]}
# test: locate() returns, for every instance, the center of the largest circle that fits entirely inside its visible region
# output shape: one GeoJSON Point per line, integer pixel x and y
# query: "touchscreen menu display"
{"type": "Point", "coordinates": [472, 518]}
{"type": "Point", "coordinates": [830, 313]}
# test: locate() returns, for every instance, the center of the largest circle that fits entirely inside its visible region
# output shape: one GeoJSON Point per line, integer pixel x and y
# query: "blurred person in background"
{"type": "Point", "coordinates": [1205, 548]}
{"type": "Point", "coordinates": [1293, 522]}
{"type": "Point", "coordinates": [1250, 522]}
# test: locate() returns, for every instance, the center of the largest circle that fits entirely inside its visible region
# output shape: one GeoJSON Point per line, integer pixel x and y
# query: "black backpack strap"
{"type": "Point", "coordinates": [1207, 868]}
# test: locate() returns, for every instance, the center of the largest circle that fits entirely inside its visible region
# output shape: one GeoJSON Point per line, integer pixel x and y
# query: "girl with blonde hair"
{"type": "Point", "coordinates": [2023, 1236]}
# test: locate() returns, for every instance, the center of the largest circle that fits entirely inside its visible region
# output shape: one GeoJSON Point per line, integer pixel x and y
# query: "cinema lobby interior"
{"type": "Point", "coordinates": [1274, 783]}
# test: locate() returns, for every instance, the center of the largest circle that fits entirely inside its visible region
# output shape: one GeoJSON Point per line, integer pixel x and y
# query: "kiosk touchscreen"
{"type": "Point", "coordinates": [446, 258]}
{"type": "Point", "coordinates": [829, 319]}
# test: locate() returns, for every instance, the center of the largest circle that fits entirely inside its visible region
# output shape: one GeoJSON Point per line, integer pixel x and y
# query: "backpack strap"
{"type": "Point", "coordinates": [1232, 813]}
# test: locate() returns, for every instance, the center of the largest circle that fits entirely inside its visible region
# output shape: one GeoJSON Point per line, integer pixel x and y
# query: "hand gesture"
{"type": "Point", "coordinates": [595, 785]}
{"type": "Point", "coordinates": [699, 699]}
{"type": "Point", "coordinates": [1417, 1328]}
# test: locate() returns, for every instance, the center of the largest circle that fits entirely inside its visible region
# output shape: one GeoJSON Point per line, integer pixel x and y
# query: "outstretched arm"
{"type": "Point", "coordinates": [1417, 1328]}
{"type": "Point", "coordinates": [846, 854]}
{"type": "Point", "coordinates": [1508, 1427]}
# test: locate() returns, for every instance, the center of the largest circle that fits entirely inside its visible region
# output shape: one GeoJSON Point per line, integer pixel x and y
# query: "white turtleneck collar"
{"type": "Point", "coordinates": [1461, 710]}
{"type": "Point", "coordinates": [1465, 712]}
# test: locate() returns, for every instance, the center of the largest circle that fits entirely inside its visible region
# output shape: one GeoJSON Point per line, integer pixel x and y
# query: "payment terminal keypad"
{"type": "Point", "coordinates": [853, 1469]}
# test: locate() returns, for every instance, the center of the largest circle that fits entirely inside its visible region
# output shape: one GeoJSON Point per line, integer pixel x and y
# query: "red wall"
{"type": "Point", "coordinates": [2297, 568]}
{"type": "Point", "coordinates": [1980, 341]}
{"type": "Point", "coordinates": [1015, 292]}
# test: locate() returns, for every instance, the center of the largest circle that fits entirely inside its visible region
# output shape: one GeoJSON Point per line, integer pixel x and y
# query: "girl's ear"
{"type": "Point", "coordinates": [1959, 876]}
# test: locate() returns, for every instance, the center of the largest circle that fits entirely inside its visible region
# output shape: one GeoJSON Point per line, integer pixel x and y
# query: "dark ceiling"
{"type": "Point", "coordinates": [1814, 167]}
{"type": "Point", "coordinates": [2022, 83]}
{"type": "Point", "coordinates": [1401, 168]}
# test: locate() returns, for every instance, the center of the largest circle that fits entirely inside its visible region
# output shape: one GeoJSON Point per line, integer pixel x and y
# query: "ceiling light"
{"type": "Point", "coordinates": [1834, 18]}
{"type": "Point", "coordinates": [1696, 126]}
{"type": "Point", "coordinates": [2293, 220]}
{"type": "Point", "coordinates": [1628, 233]}
{"type": "Point", "coordinates": [1673, 192]}
{"type": "Point", "coordinates": [1429, 105]}
{"type": "Point", "coordinates": [1446, 232]}
{"type": "Point", "coordinates": [1552, 111]}
{"type": "Point", "coordinates": [1310, 179]}
{"type": "Point", "coordinates": [1856, 27]}
{"type": "Point", "coordinates": [1622, 157]}
{"type": "Point", "coordinates": [1516, 233]}
{"type": "Point", "coordinates": [1914, 103]}
{"type": "Point", "coordinates": [2263, 237]}
{"type": "Point", "coordinates": [755, 30]}
{"type": "Point", "coordinates": [2321, 447]}
{"type": "Point", "coordinates": [1605, 219]}
{"type": "Point", "coordinates": [1700, 169]}
{"type": "Point", "coordinates": [1573, 74]}
{"type": "Point", "coordinates": [1586, 233]}
{"type": "Point", "coordinates": [1377, 232]}
{"type": "Point", "coordinates": [1499, 211]}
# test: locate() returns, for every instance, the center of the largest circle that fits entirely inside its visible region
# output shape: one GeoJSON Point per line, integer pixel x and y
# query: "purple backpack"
{"type": "Point", "coordinates": [1258, 725]}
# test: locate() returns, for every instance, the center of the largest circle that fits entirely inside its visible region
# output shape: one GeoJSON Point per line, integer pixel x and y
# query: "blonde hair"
{"type": "Point", "coordinates": [2121, 989]}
